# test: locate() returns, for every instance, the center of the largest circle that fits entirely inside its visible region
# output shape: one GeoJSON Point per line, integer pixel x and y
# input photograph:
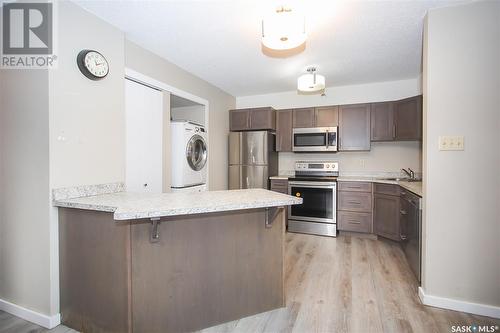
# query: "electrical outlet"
{"type": "Point", "coordinates": [451, 143]}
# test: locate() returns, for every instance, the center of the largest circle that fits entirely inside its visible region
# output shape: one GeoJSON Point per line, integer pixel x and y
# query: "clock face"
{"type": "Point", "coordinates": [93, 64]}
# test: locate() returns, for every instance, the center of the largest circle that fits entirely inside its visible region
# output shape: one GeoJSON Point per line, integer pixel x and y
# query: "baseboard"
{"type": "Point", "coordinates": [456, 305]}
{"type": "Point", "coordinates": [30, 315]}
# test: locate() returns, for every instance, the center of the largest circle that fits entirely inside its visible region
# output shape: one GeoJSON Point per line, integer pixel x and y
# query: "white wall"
{"type": "Point", "coordinates": [24, 187]}
{"type": "Point", "coordinates": [462, 189]}
{"type": "Point", "coordinates": [383, 157]}
{"type": "Point", "coordinates": [147, 63]}
{"type": "Point", "coordinates": [195, 113]}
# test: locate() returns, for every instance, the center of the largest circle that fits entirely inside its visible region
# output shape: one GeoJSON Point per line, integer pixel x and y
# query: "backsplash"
{"type": "Point", "coordinates": [385, 159]}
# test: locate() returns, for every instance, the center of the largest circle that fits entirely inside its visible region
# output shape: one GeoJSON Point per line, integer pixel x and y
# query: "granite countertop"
{"type": "Point", "coordinates": [130, 205]}
{"type": "Point", "coordinates": [415, 187]}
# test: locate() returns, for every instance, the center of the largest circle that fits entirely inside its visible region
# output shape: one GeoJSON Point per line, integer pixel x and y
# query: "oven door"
{"type": "Point", "coordinates": [319, 201]}
{"type": "Point", "coordinates": [314, 139]}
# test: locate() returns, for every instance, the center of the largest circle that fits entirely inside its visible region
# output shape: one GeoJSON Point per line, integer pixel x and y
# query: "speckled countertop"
{"type": "Point", "coordinates": [415, 187]}
{"type": "Point", "coordinates": [129, 206]}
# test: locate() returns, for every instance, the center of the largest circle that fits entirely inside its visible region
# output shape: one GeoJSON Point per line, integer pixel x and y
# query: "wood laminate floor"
{"type": "Point", "coordinates": [344, 284]}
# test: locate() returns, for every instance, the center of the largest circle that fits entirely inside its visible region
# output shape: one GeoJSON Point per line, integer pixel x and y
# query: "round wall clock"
{"type": "Point", "coordinates": [92, 64]}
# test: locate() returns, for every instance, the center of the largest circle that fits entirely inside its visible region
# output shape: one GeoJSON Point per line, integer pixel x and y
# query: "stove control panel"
{"type": "Point", "coordinates": [325, 166]}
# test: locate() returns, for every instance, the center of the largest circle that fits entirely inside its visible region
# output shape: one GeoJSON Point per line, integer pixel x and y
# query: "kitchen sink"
{"type": "Point", "coordinates": [403, 179]}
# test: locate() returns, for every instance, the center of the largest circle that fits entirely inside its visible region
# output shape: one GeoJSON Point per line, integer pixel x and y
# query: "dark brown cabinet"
{"type": "Point", "coordinates": [284, 124]}
{"type": "Point", "coordinates": [326, 116]}
{"type": "Point", "coordinates": [355, 207]}
{"type": "Point", "coordinates": [303, 118]}
{"type": "Point", "coordinates": [354, 127]}
{"type": "Point", "coordinates": [239, 120]}
{"type": "Point", "coordinates": [408, 119]}
{"type": "Point", "coordinates": [252, 119]}
{"type": "Point", "coordinates": [397, 121]}
{"type": "Point", "coordinates": [382, 122]}
{"type": "Point", "coordinates": [386, 212]}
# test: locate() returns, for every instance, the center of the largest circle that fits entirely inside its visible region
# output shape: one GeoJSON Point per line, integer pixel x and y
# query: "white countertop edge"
{"type": "Point", "coordinates": [202, 210]}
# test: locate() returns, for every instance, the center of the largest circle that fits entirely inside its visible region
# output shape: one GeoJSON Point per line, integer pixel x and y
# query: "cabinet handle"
{"type": "Point", "coordinates": [354, 202]}
{"type": "Point", "coordinates": [354, 221]}
{"type": "Point", "coordinates": [402, 212]}
{"type": "Point", "coordinates": [403, 237]}
{"type": "Point", "coordinates": [393, 131]}
{"type": "Point", "coordinates": [353, 186]}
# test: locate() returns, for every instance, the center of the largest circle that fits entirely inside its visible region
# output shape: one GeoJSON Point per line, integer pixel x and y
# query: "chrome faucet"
{"type": "Point", "coordinates": [412, 173]}
{"type": "Point", "coordinates": [409, 172]}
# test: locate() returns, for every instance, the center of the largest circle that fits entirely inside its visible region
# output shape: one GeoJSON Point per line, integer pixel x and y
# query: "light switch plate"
{"type": "Point", "coordinates": [451, 142]}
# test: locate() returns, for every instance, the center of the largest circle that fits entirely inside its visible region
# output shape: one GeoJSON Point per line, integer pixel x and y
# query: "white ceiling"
{"type": "Point", "coordinates": [219, 41]}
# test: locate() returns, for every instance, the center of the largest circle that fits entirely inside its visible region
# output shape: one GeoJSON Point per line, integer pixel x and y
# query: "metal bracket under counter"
{"type": "Point", "coordinates": [271, 213]}
{"type": "Point", "coordinates": [155, 233]}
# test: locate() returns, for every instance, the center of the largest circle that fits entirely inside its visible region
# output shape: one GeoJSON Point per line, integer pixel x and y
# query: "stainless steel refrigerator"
{"type": "Point", "coordinates": [252, 159]}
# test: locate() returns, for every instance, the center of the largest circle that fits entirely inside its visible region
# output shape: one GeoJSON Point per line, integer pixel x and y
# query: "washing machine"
{"type": "Point", "coordinates": [189, 155]}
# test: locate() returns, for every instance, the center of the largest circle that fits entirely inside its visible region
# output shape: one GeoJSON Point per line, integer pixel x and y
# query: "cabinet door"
{"type": "Point", "coordinates": [327, 116]}
{"type": "Point", "coordinates": [284, 123]}
{"type": "Point", "coordinates": [383, 128]}
{"type": "Point", "coordinates": [239, 120]}
{"type": "Point", "coordinates": [386, 216]}
{"type": "Point", "coordinates": [408, 118]}
{"type": "Point", "coordinates": [354, 127]}
{"type": "Point", "coordinates": [303, 118]}
{"type": "Point", "coordinates": [144, 137]}
{"type": "Point", "coordinates": [262, 119]}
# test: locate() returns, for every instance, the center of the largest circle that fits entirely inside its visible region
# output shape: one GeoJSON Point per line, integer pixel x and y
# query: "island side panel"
{"type": "Point", "coordinates": [95, 272]}
{"type": "Point", "coordinates": [205, 270]}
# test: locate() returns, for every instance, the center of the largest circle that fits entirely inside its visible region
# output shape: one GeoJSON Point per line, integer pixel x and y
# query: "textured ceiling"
{"type": "Point", "coordinates": [219, 41]}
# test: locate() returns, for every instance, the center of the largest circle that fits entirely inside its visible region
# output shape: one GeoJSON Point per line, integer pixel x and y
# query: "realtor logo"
{"type": "Point", "coordinates": [27, 35]}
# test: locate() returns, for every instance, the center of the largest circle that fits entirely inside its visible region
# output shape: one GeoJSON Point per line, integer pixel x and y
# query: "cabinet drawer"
{"type": "Point", "coordinates": [351, 221]}
{"type": "Point", "coordinates": [389, 189]}
{"type": "Point", "coordinates": [355, 201]}
{"type": "Point", "coordinates": [355, 186]}
{"type": "Point", "coordinates": [279, 185]}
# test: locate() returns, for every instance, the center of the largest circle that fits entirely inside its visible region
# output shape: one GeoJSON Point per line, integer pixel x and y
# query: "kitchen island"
{"type": "Point", "coordinates": [132, 262]}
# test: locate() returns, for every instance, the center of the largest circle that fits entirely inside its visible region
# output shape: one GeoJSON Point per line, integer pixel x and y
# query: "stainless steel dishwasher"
{"type": "Point", "coordinates": [411, 230]}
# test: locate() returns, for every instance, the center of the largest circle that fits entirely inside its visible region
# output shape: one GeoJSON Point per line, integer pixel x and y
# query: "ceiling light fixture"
{"type": "Point", "coordinates": [284, 30]}
{"type": "Point", "coordinates": [311, 83]}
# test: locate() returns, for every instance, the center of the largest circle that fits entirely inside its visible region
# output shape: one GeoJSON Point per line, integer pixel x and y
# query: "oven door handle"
{"type": "Point", "coordinates": [313, 184]}
{"type": "Point", "coordinates": [327, 139]}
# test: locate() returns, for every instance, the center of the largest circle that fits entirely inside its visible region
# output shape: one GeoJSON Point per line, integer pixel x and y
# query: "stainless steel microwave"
{"type": "Point", "coordinates": [316, 139]}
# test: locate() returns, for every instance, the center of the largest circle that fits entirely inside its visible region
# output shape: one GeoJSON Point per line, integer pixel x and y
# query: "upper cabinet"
{"type": "Point", "coordinates": [382, 122]}
{"type": "Point", "coordinates": [284, 124]}
{"type": "Point", "coordinates": [303, 118]}
{"type": "Point", "coordinates": [354, 127]}
{"type": "Point", "coordinates": [252, 119]}
{"type": "Point", "coordinates": [408, 118]}
{"type": "Point", "coordinates": [397, 121]}
{"type": "Point", "coordinates": [325, 116]}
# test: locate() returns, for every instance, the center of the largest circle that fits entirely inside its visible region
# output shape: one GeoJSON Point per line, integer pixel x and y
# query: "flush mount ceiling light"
{"type": "Point", "coordinates": [283, 30]}
{"type": "Point", "coordinates": [311, 83]}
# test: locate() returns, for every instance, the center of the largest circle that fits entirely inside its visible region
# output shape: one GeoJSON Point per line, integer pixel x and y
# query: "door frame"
{"type": "Point", "coordinates": [162, 86]}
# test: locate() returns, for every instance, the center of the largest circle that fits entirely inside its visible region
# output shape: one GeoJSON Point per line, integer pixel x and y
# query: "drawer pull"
{"type": "Point", "coordinates": [402, 212]}
{"type": "Point", "coordinates": [353, 186]}
{"type": "Point", "coordinates": [354, 202]}
{"type": "Point", "coordinates": [354, 221]}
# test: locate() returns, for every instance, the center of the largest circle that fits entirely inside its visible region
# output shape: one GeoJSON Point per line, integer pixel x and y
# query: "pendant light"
{"type": "Point", "coordinates": [283, 30]}
{"type": "Point", "coordinates": [311, 83]}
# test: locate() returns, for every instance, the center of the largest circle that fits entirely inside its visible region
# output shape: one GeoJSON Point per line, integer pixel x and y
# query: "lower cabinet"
{"type": "Point", "coordinates": [386, 212]}
{"type": "Point", "coordinates": [354, 221]}
{"type": "Point", "coordinates": [354, 207]}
